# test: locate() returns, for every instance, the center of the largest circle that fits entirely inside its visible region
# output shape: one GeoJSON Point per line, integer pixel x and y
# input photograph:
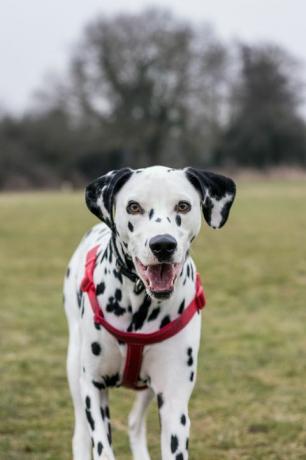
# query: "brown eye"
{"type": "Point", "coordinates": [183, 207]}
{"type": "Point", "coordinates": [134, 208]}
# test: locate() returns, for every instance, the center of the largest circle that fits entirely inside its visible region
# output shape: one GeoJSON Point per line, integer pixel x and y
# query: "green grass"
{"type": "Point", "coordinates": [249, 401]}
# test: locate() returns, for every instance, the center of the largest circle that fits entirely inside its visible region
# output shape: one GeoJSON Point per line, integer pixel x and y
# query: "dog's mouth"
{"type": "Point", "coordinates": [159, 278]}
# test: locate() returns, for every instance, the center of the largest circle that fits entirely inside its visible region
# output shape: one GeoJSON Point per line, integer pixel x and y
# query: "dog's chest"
{"type": "Point", "coordinates": [124, 309]}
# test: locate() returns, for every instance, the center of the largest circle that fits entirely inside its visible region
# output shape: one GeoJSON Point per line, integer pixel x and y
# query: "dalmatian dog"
{"type": "Point", "coordinates": [144, 278]}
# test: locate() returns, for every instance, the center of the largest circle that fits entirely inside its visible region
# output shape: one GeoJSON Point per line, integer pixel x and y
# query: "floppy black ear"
{"type": "Point", "coordinates": [101, 192]}
{"type": "Point", "coordinates": [217, 194]}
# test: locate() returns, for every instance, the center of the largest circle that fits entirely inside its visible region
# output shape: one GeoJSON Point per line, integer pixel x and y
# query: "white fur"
{"type": "Point", "coordinates": [218, 205]}
{"type": "Point", "coordinates": [166, 363]}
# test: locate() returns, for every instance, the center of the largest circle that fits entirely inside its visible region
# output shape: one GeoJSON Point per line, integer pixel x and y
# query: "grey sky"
{"type": "Point", "coordinates": [37, 35]}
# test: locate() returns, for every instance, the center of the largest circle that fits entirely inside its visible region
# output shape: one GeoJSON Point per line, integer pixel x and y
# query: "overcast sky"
{"type": "Point", "coordinates": [36, 36]}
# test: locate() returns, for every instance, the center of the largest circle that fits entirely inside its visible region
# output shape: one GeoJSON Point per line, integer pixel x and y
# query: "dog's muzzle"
{"type": "Point", "coordinates": [159, 278]}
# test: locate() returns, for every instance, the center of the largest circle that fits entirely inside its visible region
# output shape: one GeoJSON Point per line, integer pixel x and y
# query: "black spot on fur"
{"type": "Point", "coordinates": [111, 380]}
{"type": "Point", "coordinates": [130, 227]}
{"type": "Point", "coordinates": [102, 413]}
{"type": "Point", "coordinates": [151, 213]}
{"type": "Point", "coordinates": [190, 358]}
{"type": "Point", "coordinates": [68, 272]}
{"type": "Point", "coordinates": [178, 220]}
{"type": "Point", "coordinates": [118, 294]}
{"type": "Point", "coordinates": [118, 276]}
{"type": "Point", "coordinates": [99, 385]}
{"type": "Point", "coordinates": [168, 219]}
{"type": "Point", "coordinates": [188, 271]}
{"type": "Point", "coordinates": [99, 448]}
{"type": "Point", "coordinates": [191, 376]}
{"type": "Point", "coordinates": [97, 326]}
{"type": "Point", "coordinates": [208, 208]}
{"type": "Point", "coordinates": [160, 400]}
{"type": "Point", "coordinates": [154, 314]}
{"type": "Point", "coordinates": [140, 315]}
{"type": "Point", "coordinates": [187, 443]}
{"type": "Point", "coordinates": [165, 321]}
{"type": "Point", "coordinates": [79, 298]}
{"type": "Point", "coordinates": [88, 413]}
{"type": "Point", "coordinates": [107, 413]}
{"type": "Point", "coordinates": [183, 419]}
{"type": "Point", "coordinates": [100, 288]}
{"type": "Point", "coordinates": [174, 443]}
{"type": "Point", "coordinates": [179, 456]}
{"type": "Point", "coordinates": [110, 258]}
{"type": "Point", "coordinates": [96, 348]}
{"type": "Point", "coordinates": [192, 272]}
{"type": "Point", "coordinates": [158, 219]}
{"type": "Point", "coordinates": [113, 305]}
{"type": "Point", "coordinates": [105, 254]}
{"type": "Point", "coordinates": [109, 434]}
{"type": "Point", "coordinates": [182, 306]}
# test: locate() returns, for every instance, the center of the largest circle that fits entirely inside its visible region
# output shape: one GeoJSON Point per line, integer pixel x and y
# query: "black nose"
{"type": "Point", "coordinates": [163, 246]}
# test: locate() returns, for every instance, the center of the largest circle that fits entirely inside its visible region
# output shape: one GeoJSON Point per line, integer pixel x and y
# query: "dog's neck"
{"type": "Point", "coordinates": [124, 261]}
{"type": "Point", "coordinates": [128, 310]}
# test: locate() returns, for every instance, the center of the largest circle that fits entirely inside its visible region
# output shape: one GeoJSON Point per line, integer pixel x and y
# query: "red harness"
{"type": "Point", "coordinates": [136, 342]}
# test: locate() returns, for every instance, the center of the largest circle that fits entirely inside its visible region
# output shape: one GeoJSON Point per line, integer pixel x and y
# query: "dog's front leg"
{"type": "Point", "coordinates": [98, 418]}
{"type": "Point", "coordinates": [175, 424]}
{"type": "Point", "coordinates": [137, 425]}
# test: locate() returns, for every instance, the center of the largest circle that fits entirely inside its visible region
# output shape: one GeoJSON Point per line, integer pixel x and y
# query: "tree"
{"type": "Point", "coordinates": [265, 127]}
{"type": "Point", "coordinates": [150, 85]}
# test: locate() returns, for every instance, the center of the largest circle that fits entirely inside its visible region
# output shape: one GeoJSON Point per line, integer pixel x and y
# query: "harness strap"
{"type": "Point", "coordinates": [132, 366]}
{"type": "Point", "coordinates": [136, 342]}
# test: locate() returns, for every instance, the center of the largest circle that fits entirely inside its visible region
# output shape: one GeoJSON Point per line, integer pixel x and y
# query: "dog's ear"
{"type": "Point", "coordinates": [100, 194]}
{"type": "Point", "coordinates": [217, 194]}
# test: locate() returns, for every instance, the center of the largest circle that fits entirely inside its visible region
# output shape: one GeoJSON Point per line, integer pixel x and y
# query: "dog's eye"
{"type": "Point", "coordinates": [134, 208]}
{"type": "Point", "coordinates": [183, 207]}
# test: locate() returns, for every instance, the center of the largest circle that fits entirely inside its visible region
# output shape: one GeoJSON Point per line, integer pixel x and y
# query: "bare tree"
{"type": "Point", "coordinates": [265, 127]}
{"type": "Point", "coordinates": [150, 83]}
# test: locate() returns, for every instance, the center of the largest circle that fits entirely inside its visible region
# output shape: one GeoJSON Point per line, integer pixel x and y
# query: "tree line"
{"type": "Point", "coordinates": [149, 88]}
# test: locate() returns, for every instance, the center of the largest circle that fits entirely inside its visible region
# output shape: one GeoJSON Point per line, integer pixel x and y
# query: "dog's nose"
{"type": "Point", "coordinates": [163, 246]}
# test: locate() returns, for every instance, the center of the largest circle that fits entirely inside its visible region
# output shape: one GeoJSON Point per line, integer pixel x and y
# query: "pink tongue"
{"type": "Point", "coordinates": [161, 277]}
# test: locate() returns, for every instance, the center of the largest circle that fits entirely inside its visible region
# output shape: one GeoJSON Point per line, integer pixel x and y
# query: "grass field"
{"type": "Point", "coordinates": [250, 397]}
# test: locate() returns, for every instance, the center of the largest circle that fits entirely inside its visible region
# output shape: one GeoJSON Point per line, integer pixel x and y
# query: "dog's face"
{"type": "Point", "coordinates": [156, 214]}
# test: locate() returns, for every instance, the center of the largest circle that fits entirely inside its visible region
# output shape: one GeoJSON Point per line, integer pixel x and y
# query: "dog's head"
{"type": "Point", "coordinates": [156, 214]}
